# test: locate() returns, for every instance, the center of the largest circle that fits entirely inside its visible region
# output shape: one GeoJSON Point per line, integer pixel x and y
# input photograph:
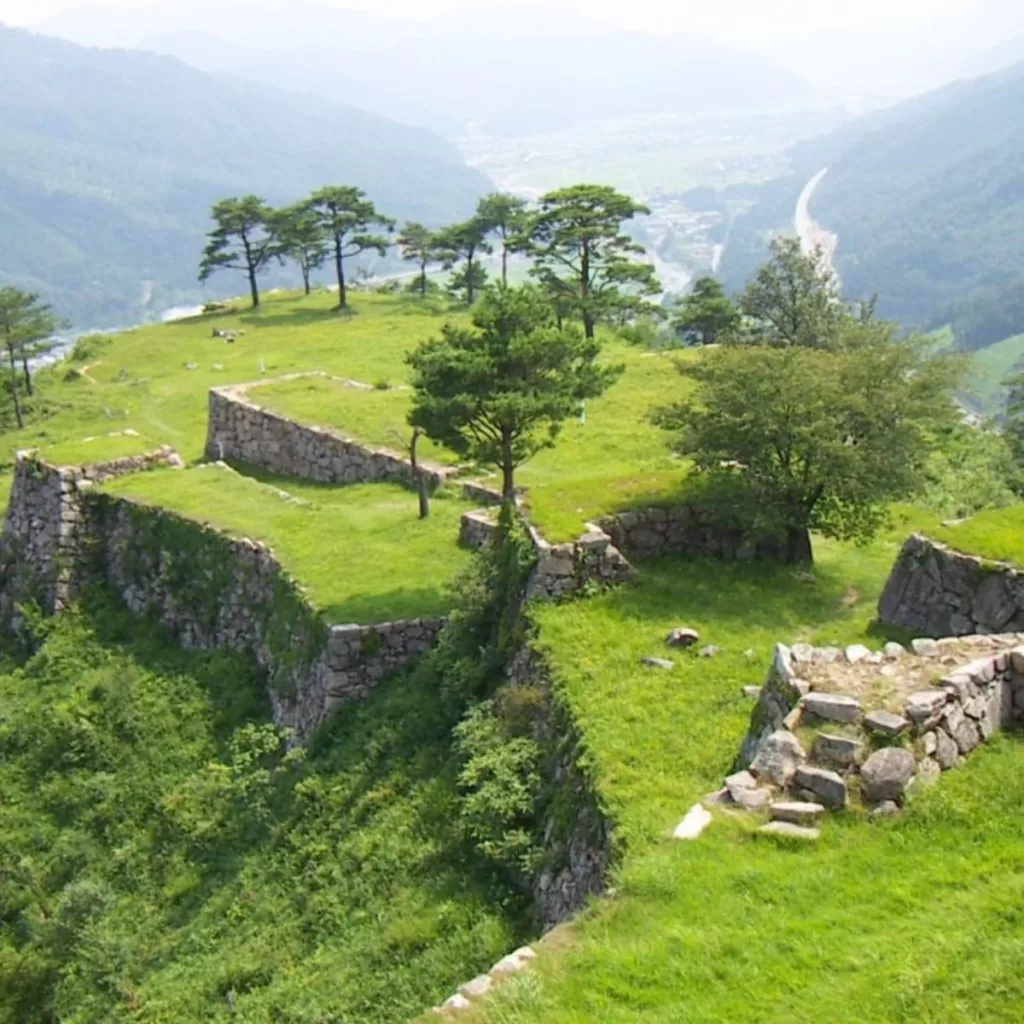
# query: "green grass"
{"type": "Point", "coordinates": [990, 368]}
{"type": "Point", "coordinates": [162, 865]}
{"type": "Point", "coordinates": [996, 533]}
{"type": "Point", "coordinates": [102, 448]}
{"type": "Point", "coordinates": [361, 552]}
{"type": "Point", "coordinates": [918, 920]}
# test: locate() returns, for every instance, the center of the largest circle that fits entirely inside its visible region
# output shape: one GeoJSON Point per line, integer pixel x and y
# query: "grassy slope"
{"type": "Point", "coordinates": [162, 876]}
{"type": "Point", "coordinates": [141, 380]}
{"type": "Point", "coordinates": [991, 367]}
{"type": "Point", "coordinates": [996, 533]}
{"type": "Point", "coordinates": [361, 552]}
{"type": "Point", "coordinates": [918, 920]}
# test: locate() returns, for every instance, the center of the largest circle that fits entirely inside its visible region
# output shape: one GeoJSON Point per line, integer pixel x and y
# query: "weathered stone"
{"type": "Point", "coordinates": [925, 647]}
{"type": "Point", "coordinates": [778, 758]}
{"type": "Point", "coordinates": [925, 703]}
{"type": "Point", "coordinates": [885, 722]}
{"type": "Point", "coordinates": [966, 736]}
{"type": "Point", "coordinates": [828, 655]}
{"type": "Point", "coordinates": [796, 811]}
{"type": "Point", "coordinates": [697, 819]}
{"type": "Point", "coordinates": [885, 774]}
{"type": "Point", "coordinates": [738, 781]}
{"type": "Point", "coordinates": [1017, 660]}
{"type": "Point", "coordinates": [710, 651]}
{"type": "Point", "coordinates": [856, 653]}
{"type": "Point", "coordinates": [832, 707]}
{"type": "Point", "coordinates": [946, 752]}
{"type": "Point", "coordinates": [662, 663]}
{"type": "Point", "coordinates": [836, 751]}
{"type": "Point", "coordinates": [929, 743]}
{"type": "Point", "coordinates": [803, 653]}
{"type": "Point", "coordinates": [456, 1003]}
{"type": "Point", "coordinates": [826, 785]}
{"type": "Point", "coordinates": [682, 636]}
{"type": "Point", "coordinates": [886, 809]}
{"type": "Point", "coordinates": [787, 830]}
{"type": "Point", "coordinates": [928, 770]}
{"type": "Point", "coordinates": [478, 987]}
{"type": "Point", "coordinates": [752, 691]}
{"type": "Point", "coordinates": [893, 650]}
{"type": "Point", "coordinates": [752, 799]}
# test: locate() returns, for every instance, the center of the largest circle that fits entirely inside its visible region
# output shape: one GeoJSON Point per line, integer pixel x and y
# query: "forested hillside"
{"type": "Point", "coordinates": [110, 160]}
{"type": "Point", "coordinates": [927, 199]}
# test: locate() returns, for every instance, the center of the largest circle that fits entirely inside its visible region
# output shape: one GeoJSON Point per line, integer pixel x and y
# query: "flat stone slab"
{"type": "Point", "coordinates": [832, 707]}
{"type": "Point", "coordinates": [787, 830]}
{"type": "Point", "coordinates": [796, 812]}
{"type": "Point", "coordinates": [838, 751]}
{"type": "Point", "coordinates": [478, 987]}
{"type": "Point", "coordinates": [925, 703]}
{"type": "Point", "coordinates": [885, 722]}
{"type": "Point", "coordinates": [924, 647]}
{"type": "Point", "coordinates": [693, 824]}
{"type": "Point", "coordinates": [662, 663]}
{"type": "Point", "coordinates": [826, 785]}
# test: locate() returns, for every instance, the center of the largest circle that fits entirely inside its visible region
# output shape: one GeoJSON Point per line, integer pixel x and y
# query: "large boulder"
{"type": "Point", "coordinates": [885, 774]}
{"type": "Point", "coordinates": [778, 758]}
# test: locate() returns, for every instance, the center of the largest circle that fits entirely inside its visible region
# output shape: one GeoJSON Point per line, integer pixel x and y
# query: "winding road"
{"type": "Point", "coordinates": [811, 234]}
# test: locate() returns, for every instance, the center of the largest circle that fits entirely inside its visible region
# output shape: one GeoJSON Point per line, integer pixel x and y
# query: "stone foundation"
{"type": "Point", "coordinates": [686, 530]}
{"type": "Point", "coordinates": [935, 591]}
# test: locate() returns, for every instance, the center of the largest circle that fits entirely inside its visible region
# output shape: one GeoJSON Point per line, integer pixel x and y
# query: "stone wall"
{"type": "Point", "coordinates": [210, 590]}
{"type": "Point", "coordinates": [686, 530]}
{"type": "Point", "coordinates": [834, 727]}
{"type": "Point", "coordinates": [935, 591]}
{"type": "Point", "coordinates": [566, 569]}
{"type": "Point", "coordinates": [165, 457]}
{"type": "Point", "coordinates": [240, 430]}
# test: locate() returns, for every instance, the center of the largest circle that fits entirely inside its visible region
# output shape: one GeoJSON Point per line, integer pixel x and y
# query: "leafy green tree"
{"type": "Point", "coordinates": [581, 253]}
{"type": "Point", "coordinates": [706, 312]}
{"type": "Point", "coordinates": [1014, 422]}
{"type": "Point", "coordinates": [346, 217]}
{"type": "Point", "coordinates": [500, 392]}
{"type": "Point", "coordinates": [463, 244]}
{"type": "Point", "coordinates": [26, 325]}
{"type": "Point", "coordinates": [793, 300]}
{"type": "Point", "coordinates": [242, 239]}
{"type": "Point", "coordinates": [418, 244]}
{"type": "Point", "coordinates": [505, 215]}
{"type": "Point", "coordinates": [300, 236]}
{"type": "Point", "coordinates": [814, 439]}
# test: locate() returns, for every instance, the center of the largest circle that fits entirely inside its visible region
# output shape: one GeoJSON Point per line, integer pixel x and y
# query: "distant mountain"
{"type": "Point", "coordinates": [927, 197]}
{"type": "Point", "coordinates": [110, 160]}
{"type": "Point", "coordinates": [448, 81]}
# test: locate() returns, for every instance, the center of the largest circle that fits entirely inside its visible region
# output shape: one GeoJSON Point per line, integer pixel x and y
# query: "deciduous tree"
{"type": "Point", "coordinates": [706, 312]}
{"type": "Point", "coordinates": [346, 217]}
{"type": "Point", "coordinates": [300, 236]}
{"type": "Point", "coordinates": [581, 253]}
{"type": "Point", "coordinates": [793, 300]}
{"type": "Point", "coordinates": [26, 326]}
{"type": "Point", "coordinates": [816, 439]}
{"type": "Point", "coordinates": [463, 244]}
{"type": "Point", "coordinates": [505, 215]}
{"type": "Point", "coordinates": [242, 239]}
{"type": "Point", "coordinates": [500, 392]}
{"type": "Point", "coordinates": [418, 244]}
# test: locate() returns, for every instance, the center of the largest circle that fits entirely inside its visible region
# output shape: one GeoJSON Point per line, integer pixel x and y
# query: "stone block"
{"type": "Point", "coordinates": [946, 752]}
{"type": "Point", "coordinates": [836, 751]}
{"type": "Point", "coordinates": [885, 774]}
{"type": "Point", "coordinates": [922, 705]}
{"type": "Point", "coordinates": [832, 707]}
{"type": "Point", "coordinates": [797, 812]}
{"type": "Point", "coordinates": [885, 722]}
{"type": "Point", "coordinates": [778, 758]}
{"type": "Point", "coordinates": [823, 783]}
{"type": "Point", "coordinates": [787, 830]}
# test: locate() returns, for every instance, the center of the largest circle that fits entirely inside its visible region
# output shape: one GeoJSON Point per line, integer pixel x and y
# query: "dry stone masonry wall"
{"type": "Point", "coordinates": [833, 727]}
{"type": "Point", "coordinates": [241, 430]}
{"type": "Point", "coordinates": [686, 530]}
{"type": "Point", "coordinates": [937, 592]}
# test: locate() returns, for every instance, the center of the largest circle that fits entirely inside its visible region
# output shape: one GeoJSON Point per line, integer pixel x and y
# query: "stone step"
{"type": "Point", "coordinates": [787, 830]}
{"type": "Point", "coordinates": [796, 812]}
{"type": "Point", "coordinates": [831, 707]}
{"type": "Point", "coordinates": [836, 751]}
{"type": "Point", "coordinates": [826, 785]}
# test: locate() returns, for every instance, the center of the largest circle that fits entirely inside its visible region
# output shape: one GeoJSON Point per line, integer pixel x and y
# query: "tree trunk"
{"type": "Point", "coordinates": [469, 276]}
{"type": "Point", "coordinates": [253, 290]}
{"type": "Point", "coordinates": [28, 375]}
{"type": "Point", "coordinates": [504, 265]}
{"type": "Point", "coordinates": [508, 484]}
{"type": "Point", "coordinates": [340, 271]}
{"type": "Point", "coordinates": [14, 388]}
{"type": "Point", "coordinates": [305, 279]}
{"type": "Point", "coordinates": [423, 280]}
{"type": "Point", "coordinates": [421, 480]}
{"type": "Point", "coordinates": [798, 546]}
{"type": "Point", "coordinates": [588, 324]}
{"type": "Point", "coordinates": [588, 319]}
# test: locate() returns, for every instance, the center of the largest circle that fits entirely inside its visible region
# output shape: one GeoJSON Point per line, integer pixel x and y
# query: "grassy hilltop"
{"type": "Point", "coordinates": [161, 877]}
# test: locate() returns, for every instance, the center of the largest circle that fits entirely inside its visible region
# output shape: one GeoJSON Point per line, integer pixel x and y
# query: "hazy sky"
{"type": "Point", "coordinates": [841, 40]}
